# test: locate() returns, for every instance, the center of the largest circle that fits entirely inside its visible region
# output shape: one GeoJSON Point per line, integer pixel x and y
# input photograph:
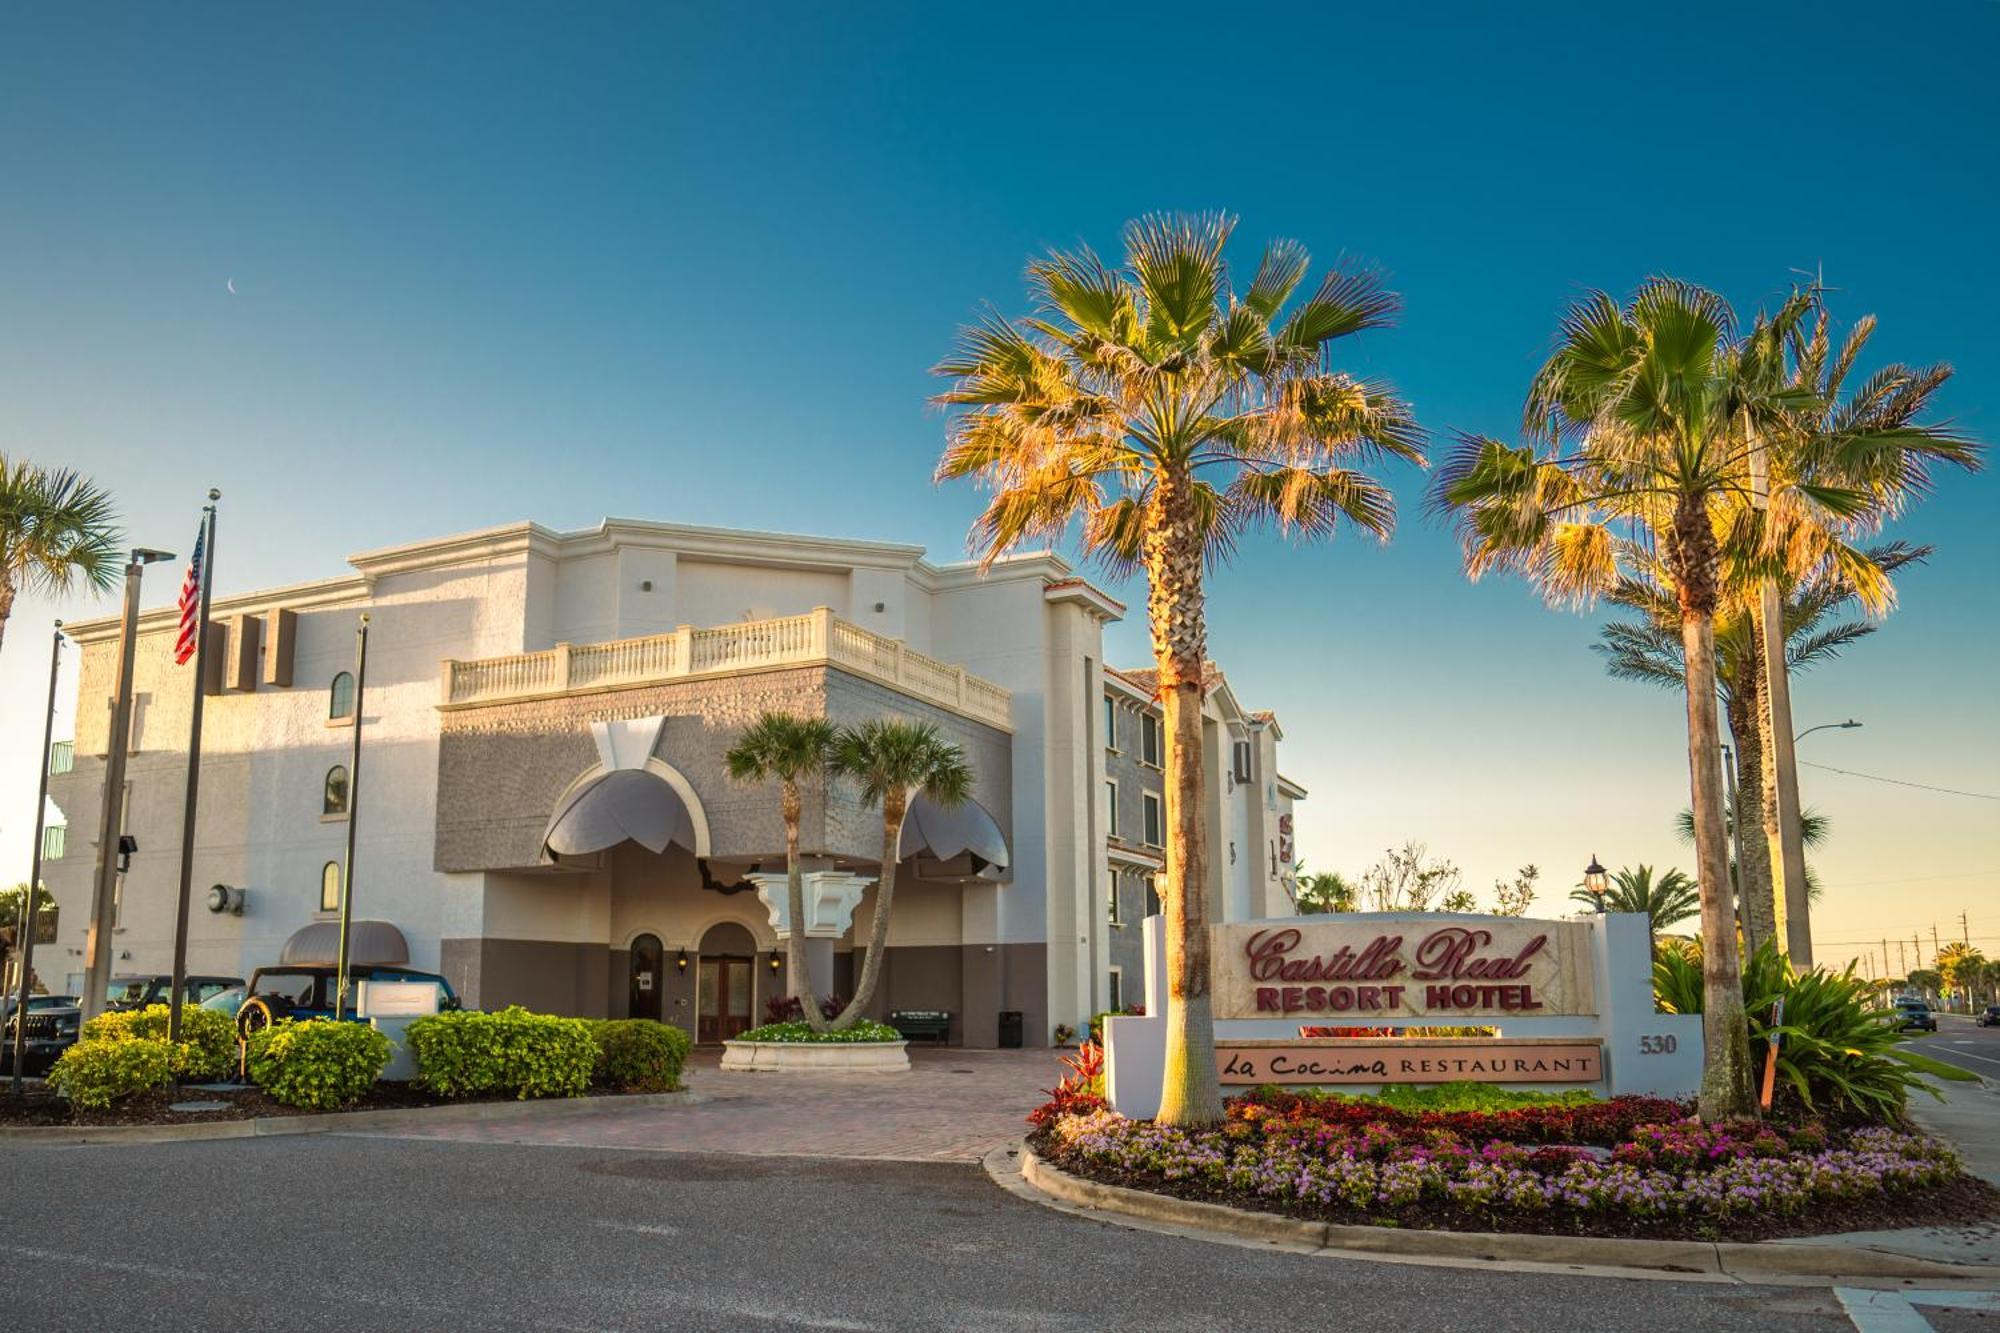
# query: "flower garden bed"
{"type": "Point", "coordinates": [1631, 1166]}
{"type": "Point", "coordinates": [40, 1106]}
{"type": "Point", "coordinates": [863, 1048]}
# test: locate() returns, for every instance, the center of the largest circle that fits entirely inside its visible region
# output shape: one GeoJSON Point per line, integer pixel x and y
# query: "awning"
{"type": "Point", "coordinates": [962, 830]}
{"type": "Point", "coordinates": [630, 803]}
{"type": "Point", "coordinates": [368, 942]}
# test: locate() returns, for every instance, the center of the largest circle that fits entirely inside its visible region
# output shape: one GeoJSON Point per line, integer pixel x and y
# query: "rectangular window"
{"type": "Point", "coordinates": [1112, 915]}
{"type": "Point", "coordinates": [1242, 757]}
{"type": "Point", "coordinates": [1149, 739]}
{"type": "Point", "coordinates": [1152, 895]}
{"type": "Point", "coordinates": [1111, 807]}
{"type": "Point", "coordinates": [1110, 724]}
{"type": "Point", "coordinates": [1154, 837]}
{"type": "Point", "coordinates": [1117, 980]}
{"type": "Point", "coordinates": [53, 838]}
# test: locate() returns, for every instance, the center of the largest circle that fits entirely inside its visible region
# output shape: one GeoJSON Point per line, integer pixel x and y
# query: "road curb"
{"type": "Point", "coordinates": [335, 1122]}
{"type": "Point", "coordinates": [1811, 1262]}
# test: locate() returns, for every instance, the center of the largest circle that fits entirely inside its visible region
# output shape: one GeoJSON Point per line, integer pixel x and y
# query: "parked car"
{"type": "Point", "coordinates": [1915, 1014]}
{"type": "Point", "coordinates": [1990, 1016]}
{"type": "Point", "coordinates": [306, 990]}
{"type": "Point", "coordinates": [54, 1029]}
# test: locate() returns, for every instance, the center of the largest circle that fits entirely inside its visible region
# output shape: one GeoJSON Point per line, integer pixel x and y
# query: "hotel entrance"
{"type": "Point", "coordinates": [725, 985]}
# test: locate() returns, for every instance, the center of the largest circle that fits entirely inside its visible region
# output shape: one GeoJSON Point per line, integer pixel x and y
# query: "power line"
{"type": "Point", "coordinates": [1912, 879]}
{"type": "Point", "coordinates": [1920, 786]}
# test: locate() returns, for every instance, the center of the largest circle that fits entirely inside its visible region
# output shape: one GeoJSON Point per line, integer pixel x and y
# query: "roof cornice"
{"type": "Point", "coordinates": [318, 595]}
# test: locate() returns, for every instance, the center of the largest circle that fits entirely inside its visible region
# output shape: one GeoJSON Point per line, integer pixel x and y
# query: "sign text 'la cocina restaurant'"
{"type": "Point", "coordinates": [1323, 1001]}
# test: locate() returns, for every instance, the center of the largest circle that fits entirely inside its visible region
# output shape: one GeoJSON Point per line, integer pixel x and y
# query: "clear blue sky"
{"type": "Point", "coordinates": [692, 264]}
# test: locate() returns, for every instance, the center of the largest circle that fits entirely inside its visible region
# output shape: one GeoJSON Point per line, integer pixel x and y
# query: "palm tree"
{"type": "Point", "coordinates": [57, 530]}
{"type": "Point", "coordinates": [796, 752]}
{"type": "Point", "coordinates": [1641, 469]}
{"type": "Point", "coordinates": [1324, 891]}
{"type": "Point", "coordinates": [1648, 649]}
{"type": "Point", "coordinates": [1961, 966]}
{"type": "Point", "coordinates": [892, 762]}
{"type": "Point", "coordinates": [1666, 901]}
{"type": "Point", "coordinates": [1167, 413]}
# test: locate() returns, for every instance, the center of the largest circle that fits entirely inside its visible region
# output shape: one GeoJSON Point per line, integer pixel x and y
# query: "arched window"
{"type": "Point", "coordinates": [329, 887]}
{"type": "Point", "coordinates": [335, 800]}
{"type": "Point", "coordinates": [340, 699]}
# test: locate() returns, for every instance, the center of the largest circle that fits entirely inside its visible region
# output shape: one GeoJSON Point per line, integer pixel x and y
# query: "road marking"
{"type": "Point", "coordinates": [1896, 1311]}
{"type": "Point", "coordinates": [640, 1228]}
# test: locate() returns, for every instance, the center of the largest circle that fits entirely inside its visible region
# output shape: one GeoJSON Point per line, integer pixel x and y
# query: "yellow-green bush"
{"type": "Point", "coordinates": [638, 1054]}
{"type": "Point", "coordinates": [94, 1074]}
{"type": "Point", "coordinates": [319, 1064]}
{"type": "Point", "coordinates": [512, 1052]}
{"type": "Point", "coordinates": [207, 1048]}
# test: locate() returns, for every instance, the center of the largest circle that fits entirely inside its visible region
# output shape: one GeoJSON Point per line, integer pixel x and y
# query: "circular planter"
{"type": "Point", "coordinates": [825, 1057]}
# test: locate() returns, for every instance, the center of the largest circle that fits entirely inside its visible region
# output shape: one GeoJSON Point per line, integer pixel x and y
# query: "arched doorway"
{"type": "Point", "coordinates": [648, 957]}
{"type": "Point", "coordinates": [726, 983]}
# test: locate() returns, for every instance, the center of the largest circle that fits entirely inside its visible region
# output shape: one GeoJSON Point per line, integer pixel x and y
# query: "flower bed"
{"type": "Point", "coordinates": [1628, 1166]}
{"type": "Point", "coordinates": [800, 1031]}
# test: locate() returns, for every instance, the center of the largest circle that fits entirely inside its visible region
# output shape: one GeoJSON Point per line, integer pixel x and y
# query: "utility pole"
{"type": "Point", "coordinates": [28, 906]}
{"type": "Point", "coordinates": [1964, 930]}
{"type": "Point", "coordinates": [1885, 960]}
{"type": "Point", "coordinates": [1917, 949]}
{"type": "Point", "coordinates": [111, 824]}
{"type": "Point", "coordinates": [1902, 961]}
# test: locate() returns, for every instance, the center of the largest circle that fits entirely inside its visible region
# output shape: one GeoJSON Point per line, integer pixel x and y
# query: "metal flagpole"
{"type": "Point", "coordinates": [28, 911]}
{"type": "Point", "coordinates": [353, 817]}
{"type": "Point", "coordinates": [194, 768]}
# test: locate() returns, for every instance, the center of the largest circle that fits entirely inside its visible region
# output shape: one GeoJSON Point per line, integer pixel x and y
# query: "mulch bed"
{"type": "Point", "coordinates": [1962, 1202]}
{"type": "Point", "coordinates": [39, 1106]}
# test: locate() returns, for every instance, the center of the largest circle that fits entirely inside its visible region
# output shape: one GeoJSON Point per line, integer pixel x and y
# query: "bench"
{"type": "Point", "coordinates": [922, 1023]}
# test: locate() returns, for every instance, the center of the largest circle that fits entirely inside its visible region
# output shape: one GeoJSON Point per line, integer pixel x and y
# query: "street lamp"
{"type": "Point", "coordinates": [1848, 725]}
{"type": "Point", "coordinates": [1597, 880]}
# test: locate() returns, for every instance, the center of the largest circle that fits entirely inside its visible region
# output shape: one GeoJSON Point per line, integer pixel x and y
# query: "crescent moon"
{"type": "Point", "coordinates": [230, 283]}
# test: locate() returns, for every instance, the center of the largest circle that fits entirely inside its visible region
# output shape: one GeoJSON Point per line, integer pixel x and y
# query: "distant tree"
{"type": "Point", "coordinates": [1513, 898]}
{"type": "Point", "coordinates": [1326, 891]}
{"type": "Point", "coordinates": [10, 921]}
{"type": "Point", "coordinates": [57, 530]}
{"type": "Point", "coordinates": [1406, 879]}
{"type": "Point", "coordinates": [1962, 966]}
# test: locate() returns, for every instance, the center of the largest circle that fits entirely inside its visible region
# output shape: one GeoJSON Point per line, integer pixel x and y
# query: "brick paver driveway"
{"type": "Point", "coordinates": [953, 1105]}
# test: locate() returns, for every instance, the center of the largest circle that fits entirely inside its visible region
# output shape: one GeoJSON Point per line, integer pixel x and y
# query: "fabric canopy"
{"type": "Point", "coordinates": [965, 829]}
{"type": "Point", "coordinates": [368, 942]}
{"type": "Point", "coordinates": [612, 807]}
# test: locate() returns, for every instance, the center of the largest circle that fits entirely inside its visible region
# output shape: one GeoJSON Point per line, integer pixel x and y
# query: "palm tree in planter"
{"type": "Point", "coordinates": [1166, 413]}
{"type": "Point", "coordinates": [57, 530]}
{"type": "Point", "coordinates": [893, 762]}
{"type": "Point", "coordinates": [796, 752]}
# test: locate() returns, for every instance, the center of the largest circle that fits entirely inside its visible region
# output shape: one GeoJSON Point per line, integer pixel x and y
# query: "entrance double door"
{"type": "Point", "coordinates": [723, 993]}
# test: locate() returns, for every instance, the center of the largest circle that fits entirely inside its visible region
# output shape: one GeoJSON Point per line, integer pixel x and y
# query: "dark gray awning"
{"type": "Point", "coordinates": [367, 942]}
{"type": "Point", "coordinates": [965, 829]}
{"type": "Point", "coordinates": [611, 808]}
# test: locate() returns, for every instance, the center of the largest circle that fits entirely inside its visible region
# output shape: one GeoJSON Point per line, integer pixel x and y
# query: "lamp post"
{"type": "Point", "coordinates": [353, 817]}
{"type": "Point", "coordinates": [28, 905]}
{"type": "Point", "coordinates": [104, 895]}
{"type": "Point", "coordinates": [1848, 725]}
{"type": "Point", "coordinates": [1597, 880]}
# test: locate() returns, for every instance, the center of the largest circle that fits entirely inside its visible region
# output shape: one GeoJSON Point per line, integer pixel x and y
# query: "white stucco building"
{"type": "Point", "coordinates": [542, 808]}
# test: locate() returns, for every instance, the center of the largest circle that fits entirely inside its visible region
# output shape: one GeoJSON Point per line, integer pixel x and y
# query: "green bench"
{"type": "Point", "coordinates": [914, 1023]}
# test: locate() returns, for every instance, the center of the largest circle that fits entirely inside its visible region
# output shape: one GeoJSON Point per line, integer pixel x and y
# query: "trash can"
{"type": "Point", "coordinates": [1011, 1025]}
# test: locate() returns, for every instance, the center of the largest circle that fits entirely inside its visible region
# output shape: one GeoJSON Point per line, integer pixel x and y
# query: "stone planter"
{"type": "Point", "coordinates": [824, 1057]}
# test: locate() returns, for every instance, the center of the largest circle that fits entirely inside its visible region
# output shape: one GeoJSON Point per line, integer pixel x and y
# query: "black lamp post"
{"type": "Point", "coordinates": [1597, 880]}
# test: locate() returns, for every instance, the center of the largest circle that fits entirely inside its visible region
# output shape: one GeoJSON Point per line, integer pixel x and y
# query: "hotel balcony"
{"type": "Point", "coordinates": [817, 638]}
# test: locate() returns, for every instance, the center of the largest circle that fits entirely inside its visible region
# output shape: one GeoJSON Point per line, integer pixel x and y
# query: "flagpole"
{"type": "Point", "coordinates": [194, 769]}
{"type": "Point", "coordinates": [29, 914]}
{"type": "Point", "coordinates": [353, 817]}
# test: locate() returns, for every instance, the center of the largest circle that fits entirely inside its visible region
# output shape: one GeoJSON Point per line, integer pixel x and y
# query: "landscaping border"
{"type": "Point", "coordinates": [1738, 1260]}
{"type": "Point", "coordinates": [334, 1122]}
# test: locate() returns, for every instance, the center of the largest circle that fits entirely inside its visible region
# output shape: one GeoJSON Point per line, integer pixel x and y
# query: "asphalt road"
{"type": "Point", "coordinates": [1961, 1042]}
{"type": "Point", "coordinates": [354, 1233]}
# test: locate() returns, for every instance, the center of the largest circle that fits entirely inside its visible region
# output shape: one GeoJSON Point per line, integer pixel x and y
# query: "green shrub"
{"type": "Point", "coordinates": [319, 1064]}
{"type": "Point", "coordinates": [513, 1052]}
{"type": "Point", "coordinates": [207, 1048]}
{"type": "Point", "coordinates": [862, 1030]}
{"type": "Point", "coordinates": [638, 1054]}
{"type": "Point", "coordinates": [1835, 1053]}
{"type": "Point", "coordinates": [94, 1074]}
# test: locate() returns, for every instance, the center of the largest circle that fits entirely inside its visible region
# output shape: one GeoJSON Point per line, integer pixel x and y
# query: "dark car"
{"type": "Point", "coordinates": [1990, 1016]}
{"type": "Point", "coordinates": [306, 990]}
{"type": "Point", "coordinates": [53, 1030]}
{"type": "Point", "coordinates": [1915, 1014]}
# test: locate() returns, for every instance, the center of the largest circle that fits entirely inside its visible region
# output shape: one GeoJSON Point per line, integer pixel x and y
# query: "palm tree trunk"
{"type": "Point", "coordinates": [893, 806]}
{"type": "Point", "coordinates": [1190, 1091]}
{"type": "Point", "coordinates": [1725, 1075]}
{"type": "Point", "coordinates": [799, 984]}
{"type": "Point", "coordinates": [1753, 868]}
{"type": "Point", "coordinates": [1782, 833]}
{"type": "Point", "coordinates": [6, 604]}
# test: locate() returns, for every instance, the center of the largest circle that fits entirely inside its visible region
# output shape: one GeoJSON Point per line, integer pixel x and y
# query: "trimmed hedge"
{"type": "Point", "coordinates": [638, 1054]}
{"type": "Point", "coordinates": [465, 1054]}
{"type": "Point", "coordinates": [207, 1049]}
{"type": "Point", "coordinates": [94, 1074]}
{"type": "Point", "coordinates": [318, 1064]}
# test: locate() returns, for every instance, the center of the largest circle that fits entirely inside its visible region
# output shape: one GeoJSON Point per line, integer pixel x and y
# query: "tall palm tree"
{"type": "Point", "coordinates": [892, 762]}
{"type": "Point", "coordinates": [1631, 461]}
{"type": "Point", "coordinates": [796, 752]}
{"type": "Point", "coordinates": [57, 531]}
{"type": "Point", "coordinates": [1667, 901]}
{"type": "Point", "coordinates": [1166, 412]}
{"type": "Point", "coordinates": [1648, 649]}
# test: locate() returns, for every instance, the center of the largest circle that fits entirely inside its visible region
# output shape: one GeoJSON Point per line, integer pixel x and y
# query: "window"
{"type": "Point", "coordinates": [1110, 724]}
{"type": "Point", "coordinates": [1242, 757]}
{"type": "Point", "coordinates": [54, 838]}
{"type": "Point", "coordinates": [1113, 915]}
{"type": "Point", "coordinates": [340, 698]}
{"type": "Point", "coordinates": [1111, 807]}
{"type": "Point", "coordinates": [1149, 739]}
{"type": "Point", "coordinates": [1117, 989]}
{"type": "Point", "coordinates": [334, 802]}
{"type": "Point", "coordinates": [1152, 895]}
{"type": "Point", "coordinates": [1153, 829]}
{"type": "Point", "coordinates": [329, 887]}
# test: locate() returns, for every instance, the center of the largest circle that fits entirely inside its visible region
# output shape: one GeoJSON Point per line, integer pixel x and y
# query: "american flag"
{"type": "Point", "coordinates": [190, 603]}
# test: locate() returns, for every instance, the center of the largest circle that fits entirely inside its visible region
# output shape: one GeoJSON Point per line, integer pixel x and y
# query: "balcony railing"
{"type": "Point", "coordinates": [817, 638]}
{"type": "Point", "coordinates": [62, 757]}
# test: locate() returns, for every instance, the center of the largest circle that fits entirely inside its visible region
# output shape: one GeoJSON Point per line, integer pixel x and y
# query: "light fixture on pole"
{"type": "Point", "coordinates": [1597, 880]}
{"type": "Point", "coordinates": [1848, 725]}
{"type": "Point", "coordinates": [341, 966]}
